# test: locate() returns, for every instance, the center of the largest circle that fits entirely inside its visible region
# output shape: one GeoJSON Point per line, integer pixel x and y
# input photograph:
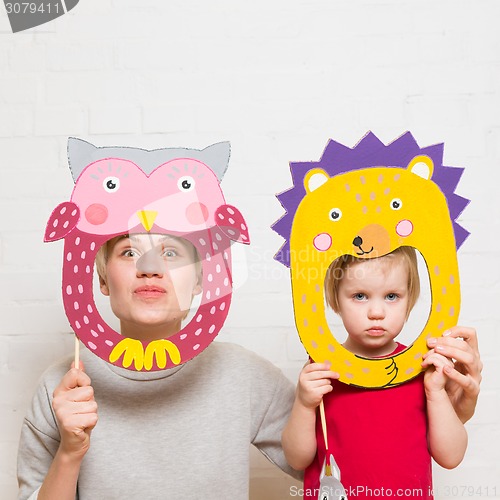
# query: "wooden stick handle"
{"type": "Point", "coordinates": [323, 422]}
{"type": "Point", "coordinates": [77, 353]}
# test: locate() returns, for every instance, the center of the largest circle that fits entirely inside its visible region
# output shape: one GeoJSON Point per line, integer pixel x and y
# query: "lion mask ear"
{"type": "Point", "coordinates": [422, 166]}
{"type": "Point", "coordinates": [314, 179]}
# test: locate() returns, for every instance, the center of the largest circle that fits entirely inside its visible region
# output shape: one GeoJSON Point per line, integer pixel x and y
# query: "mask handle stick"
{"type": "Point", "coordinates": [77, 353]}
{"type": "Point", "coordinates": [323, 422]}
{"type": "Point", "coordinates": [328, 470]}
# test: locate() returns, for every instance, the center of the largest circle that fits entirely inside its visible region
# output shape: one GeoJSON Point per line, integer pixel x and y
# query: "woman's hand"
{"type": "Point", "coordinates": [76, 412]}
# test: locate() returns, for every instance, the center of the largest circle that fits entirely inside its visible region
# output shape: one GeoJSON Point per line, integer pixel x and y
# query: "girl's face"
{"type": "Point", "coordinates": [373, 305]}
{"type": "Point", "coordinates": [151, 280]}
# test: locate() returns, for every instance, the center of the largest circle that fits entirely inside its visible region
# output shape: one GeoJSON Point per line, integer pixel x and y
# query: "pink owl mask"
{"type": "Point", "coordinates": [120, 190]}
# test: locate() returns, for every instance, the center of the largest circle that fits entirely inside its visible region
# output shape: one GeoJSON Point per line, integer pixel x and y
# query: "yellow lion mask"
{"type": "Point", "coordinates": [366, 202]}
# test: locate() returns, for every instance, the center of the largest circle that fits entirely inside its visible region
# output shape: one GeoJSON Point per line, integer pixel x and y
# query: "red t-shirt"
{"type": "Point", "coordinates": [378, 438]}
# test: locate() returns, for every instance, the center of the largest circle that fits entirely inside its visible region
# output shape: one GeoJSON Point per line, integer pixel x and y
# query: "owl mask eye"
{"type": "Point", "coordinates": [335, 214]}
{"type": "Point", "coordinates": [186, 183]}
{"type": "Point", "coordinates": [396, 204]}
{"type": "Point", "coordinates": [111, 184]}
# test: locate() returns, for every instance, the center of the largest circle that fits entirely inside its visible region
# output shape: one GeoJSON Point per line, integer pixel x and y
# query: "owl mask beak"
{"type": "Point", "coordinates": [147, 218]}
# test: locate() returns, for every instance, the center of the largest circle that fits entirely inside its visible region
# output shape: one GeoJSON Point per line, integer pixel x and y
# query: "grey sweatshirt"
{"type": "Point", "coordinates": [173, 434]}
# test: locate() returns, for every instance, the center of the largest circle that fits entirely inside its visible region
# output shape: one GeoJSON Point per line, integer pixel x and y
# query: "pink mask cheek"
{"type": "Point", "coordinates": [196, 213]}
{"type": "Point", "coordinates": [322, 242]}
{"type": "Point", "coordinates": [96, 214]}
{"type": "Point", "coordinates": [404, 228]}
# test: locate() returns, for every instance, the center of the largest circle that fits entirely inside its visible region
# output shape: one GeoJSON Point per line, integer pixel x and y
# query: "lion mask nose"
{"type": "Point", "coordinates": [375, 240]}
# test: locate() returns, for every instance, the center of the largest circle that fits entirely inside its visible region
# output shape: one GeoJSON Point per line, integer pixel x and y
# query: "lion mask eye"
{"type": "Point", "coordinates": [396, 204]}
{"type": "Point", "coordinates": [335, 214]}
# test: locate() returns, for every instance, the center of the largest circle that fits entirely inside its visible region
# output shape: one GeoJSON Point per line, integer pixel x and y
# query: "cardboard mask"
{"type": "Point", "coordinates": [127, 191]}
{"type": "Point", "coordinates": [366, 202]}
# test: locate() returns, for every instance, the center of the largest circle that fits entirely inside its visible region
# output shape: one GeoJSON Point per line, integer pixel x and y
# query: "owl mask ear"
{"type": "Point", "coordinates": [216, 157]}
{"type": "Point", "coordinates": [80, 154]}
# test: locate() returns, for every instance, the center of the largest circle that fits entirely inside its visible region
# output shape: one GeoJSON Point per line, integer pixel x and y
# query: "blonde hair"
{"type": "Point", "coordinates": [101, 259]}
{"type": "Point", "coordinates": [338, 267]}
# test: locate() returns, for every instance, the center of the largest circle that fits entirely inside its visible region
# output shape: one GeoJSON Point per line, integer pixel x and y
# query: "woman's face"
{"type": "Point", "coordinates": [151, 280]}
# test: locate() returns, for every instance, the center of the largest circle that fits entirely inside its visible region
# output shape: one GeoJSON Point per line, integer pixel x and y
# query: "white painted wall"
{"type": "Point", "coordinates": [277, 78]}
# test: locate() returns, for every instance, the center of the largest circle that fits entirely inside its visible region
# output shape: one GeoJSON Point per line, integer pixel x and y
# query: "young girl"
{"type": "Point", "coordinates": [382, 440]}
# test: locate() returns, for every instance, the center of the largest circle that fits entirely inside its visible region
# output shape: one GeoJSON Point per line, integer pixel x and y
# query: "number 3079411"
{"type": "Point", "coordinates": [33, 8]}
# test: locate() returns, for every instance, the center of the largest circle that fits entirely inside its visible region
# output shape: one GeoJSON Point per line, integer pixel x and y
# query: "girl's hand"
{"type": "Point", "coordinates": [435, 376]}
{"type": "Point", "coordinates": [314, 382]}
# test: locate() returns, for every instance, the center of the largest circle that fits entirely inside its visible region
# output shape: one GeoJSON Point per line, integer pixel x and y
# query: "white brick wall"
{"type": "Point", "coordinates": [277, 78]}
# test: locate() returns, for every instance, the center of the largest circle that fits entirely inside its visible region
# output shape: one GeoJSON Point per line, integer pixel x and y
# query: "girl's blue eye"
{"type": "Point", "coordinates": [392, 296]}
{"type": "Point", "coordinates": [359, 296]}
